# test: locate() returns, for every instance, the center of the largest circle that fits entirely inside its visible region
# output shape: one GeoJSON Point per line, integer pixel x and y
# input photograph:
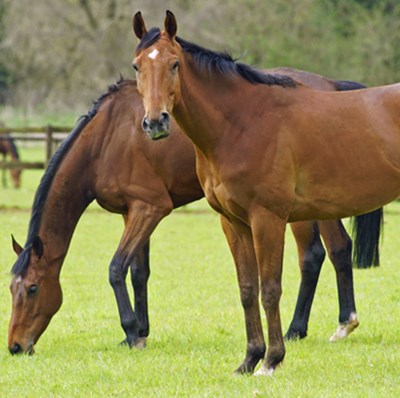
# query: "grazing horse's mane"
{"type": "Point", "coordinates": [219, 62]}
{"type": "Point", "coordinates": [20, 266]}
{"type": "Point", "coordinates": [13, 147]}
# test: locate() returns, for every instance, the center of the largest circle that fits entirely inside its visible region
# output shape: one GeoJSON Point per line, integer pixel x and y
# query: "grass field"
{"type": "Point", "coordinates": [197, 333]}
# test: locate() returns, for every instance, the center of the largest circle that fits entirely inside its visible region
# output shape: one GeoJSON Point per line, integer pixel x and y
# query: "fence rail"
{"type": "Point", "coordinates": [50, 135]}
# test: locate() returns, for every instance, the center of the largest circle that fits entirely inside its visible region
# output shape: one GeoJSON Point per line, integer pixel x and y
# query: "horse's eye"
{"type": "Point", "coordinates": [135, 67]}
{"type": "Point", "coordinates": [175, 66]}
{"type": "Point", "coordinates": [33, 290]}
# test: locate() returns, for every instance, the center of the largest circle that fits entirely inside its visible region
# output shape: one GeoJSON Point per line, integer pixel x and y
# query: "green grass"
{"type": "Point", "coordinates": [197, 335]}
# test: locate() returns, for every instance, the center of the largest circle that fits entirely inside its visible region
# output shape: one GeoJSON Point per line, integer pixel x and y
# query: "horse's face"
{"type": "Point", "coordinates": [36, 297]}
{"type": "Point", "coordinates": [156, 67]}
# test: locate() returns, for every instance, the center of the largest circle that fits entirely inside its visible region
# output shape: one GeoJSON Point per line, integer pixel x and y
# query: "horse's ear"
{"type": "Point", "coordinates": [170, 24]}
{"type": "Point", "coordinates": [139, 26]}
{"type": "Point", "coordinates": [16, 246]}
{"type": "Point", "coordinates": [37, 246]}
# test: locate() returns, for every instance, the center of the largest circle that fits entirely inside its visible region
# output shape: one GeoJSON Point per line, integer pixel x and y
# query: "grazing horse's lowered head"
{"type": "Point", "coordinates": [37, 296]}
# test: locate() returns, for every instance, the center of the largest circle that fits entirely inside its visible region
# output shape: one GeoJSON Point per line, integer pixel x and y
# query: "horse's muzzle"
{"type": "Point", "coordinates": [17, 349]}
{"type": "Point", "coordinates": [157, 129]}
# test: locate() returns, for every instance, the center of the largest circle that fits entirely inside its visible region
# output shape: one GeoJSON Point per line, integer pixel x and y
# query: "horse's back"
{"type": "Point", "coordinates": [306, 78]}
{"type": "Point", "coordinates": [349, 143]}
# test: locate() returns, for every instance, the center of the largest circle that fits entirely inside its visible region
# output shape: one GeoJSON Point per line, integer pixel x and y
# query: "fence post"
{"type": "Point", "coordinates": [49, 143]}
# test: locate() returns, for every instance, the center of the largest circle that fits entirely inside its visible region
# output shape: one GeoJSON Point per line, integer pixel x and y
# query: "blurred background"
{"type": "Point", "coordinates": [59, 55]}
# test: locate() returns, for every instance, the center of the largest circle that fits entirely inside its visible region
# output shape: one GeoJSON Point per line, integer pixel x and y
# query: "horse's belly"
{"type": "Point", "coordinates": [339, 203]}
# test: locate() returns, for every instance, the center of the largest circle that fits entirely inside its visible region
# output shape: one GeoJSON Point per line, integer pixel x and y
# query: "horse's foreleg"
{"type": "Point", "coordinates": [117, 274]}
{"type": "Point", "coordinates": [311, 255]}
{"type": "Point", "coordinates": [139, 224]}
{"type": "Point", "coordinates": [140, 272]}
{"type": "Point", "coordinates": [339, 247]}
{"type": "Point", "coordinates": [241, 245]}
{"type": "Point", "coordinates": [268, 234]}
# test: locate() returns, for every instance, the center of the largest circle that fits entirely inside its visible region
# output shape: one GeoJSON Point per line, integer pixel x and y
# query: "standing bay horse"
{"type": "Point", "coordinates": [8, 147]}
{"type": "Point", "coordinates": [269, 152]}
{"type": "Point", "coordinates": [109, 159]}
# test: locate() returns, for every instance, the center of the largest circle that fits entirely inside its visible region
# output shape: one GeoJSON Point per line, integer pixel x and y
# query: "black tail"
{"type": "Point", "coordinates": [366, 231]}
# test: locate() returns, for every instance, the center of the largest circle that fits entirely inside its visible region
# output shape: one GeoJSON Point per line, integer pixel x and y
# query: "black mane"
{"type": "Point", "coordinates": [224, 64]}
{"type": "Point", "coordinates": [20, 266]}
{"type": "Point", "coordinates": [347, 85]}
{"type": "Point", "coordinates": [13, 147]}
{"type": "Point", "coordinates": [219, 62]}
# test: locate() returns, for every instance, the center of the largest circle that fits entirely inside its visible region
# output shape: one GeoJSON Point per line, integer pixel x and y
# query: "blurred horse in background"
{"type": "Point", "coordinates": [9, 149]}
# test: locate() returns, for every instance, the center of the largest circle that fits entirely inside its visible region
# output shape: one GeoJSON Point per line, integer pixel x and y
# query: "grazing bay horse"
{"type": "Point", "coordinates": [109, 159]}
{"type": "Point", "coordinates": [8, 147]}
{"type": "Point", "coordinates": [105, 158]}
{"type": "Point", "coordinates": [269, 151]}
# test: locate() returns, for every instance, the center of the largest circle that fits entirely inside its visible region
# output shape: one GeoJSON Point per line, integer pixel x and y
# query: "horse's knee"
{"type": "Point", "coordinates": [270, 294]}
{"type": "Point", "coordinates": [248, 295]}
{"type": "Point", "coordinates": [116, 274]}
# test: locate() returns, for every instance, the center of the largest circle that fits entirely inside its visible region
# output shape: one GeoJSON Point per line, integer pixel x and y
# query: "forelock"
{"type": "Point", "coordinates": [149, 38]}
{"type": "Point", "coordinates": [21, 265]}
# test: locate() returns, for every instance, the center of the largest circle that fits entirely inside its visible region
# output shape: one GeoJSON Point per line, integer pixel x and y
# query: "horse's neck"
{"type": "Point", "coordinates": [207, 109]}
{"type": "Point", "coordinates": [67, 198]}
{"type": "Point", "coordinates": [13, 151]}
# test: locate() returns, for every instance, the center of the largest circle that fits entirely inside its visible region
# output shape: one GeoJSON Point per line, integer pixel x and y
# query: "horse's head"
{"type": "Point", "coordinates": [156, 64]}
{"type": "Point", "coordinates": [36, 296]}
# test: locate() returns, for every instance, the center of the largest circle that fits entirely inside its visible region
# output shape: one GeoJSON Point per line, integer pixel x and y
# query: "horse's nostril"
{"type": "Point", "coordinates": [15, 349]}
{"type": "Point", "coordinates": [145, 124]}
{"type": "Point", "coordinates": [164, 117]}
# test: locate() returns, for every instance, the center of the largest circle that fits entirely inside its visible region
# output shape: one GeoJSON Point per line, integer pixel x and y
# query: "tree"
{"type": "Point", "coordinates": [5, 73]}
{"type": "Point", "coordinates": [65, 53]}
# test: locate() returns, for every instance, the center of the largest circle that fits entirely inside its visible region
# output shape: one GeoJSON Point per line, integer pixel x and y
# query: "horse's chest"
{"type": "Point", "coordinates": [225, 191]}
{"type": "Point", "coordinates": [224, 199]}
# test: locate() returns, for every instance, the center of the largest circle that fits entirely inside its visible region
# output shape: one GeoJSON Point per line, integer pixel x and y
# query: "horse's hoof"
{"type": "Point", "coordinates": [344, 329]}
{"type": "Point", "coordinates": [264, 371]}
{"type": "Point", "coordinates": [294, 336]}
{"type": "Point", "coordinates": [243, 370]}
{"type": "Point", "coordinates": [140, 343]}
{"type": "Point", "coordinates": [125, 342]}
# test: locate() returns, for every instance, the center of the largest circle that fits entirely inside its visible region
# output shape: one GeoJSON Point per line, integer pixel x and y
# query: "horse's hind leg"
{"type": "Point", "coordinates": [140, 272]}
{"type": "Point", "coordinates": [339, 246]}
{"type": "Point", "coordinates": [311, 255]}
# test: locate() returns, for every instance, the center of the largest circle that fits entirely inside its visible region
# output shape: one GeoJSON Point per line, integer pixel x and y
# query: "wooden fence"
{"type": "Point", "coordinates": [50, 135]}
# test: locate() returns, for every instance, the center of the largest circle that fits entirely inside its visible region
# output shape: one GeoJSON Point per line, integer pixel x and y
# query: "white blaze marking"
{"type": "Point", "coordinates": [153, 54]}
